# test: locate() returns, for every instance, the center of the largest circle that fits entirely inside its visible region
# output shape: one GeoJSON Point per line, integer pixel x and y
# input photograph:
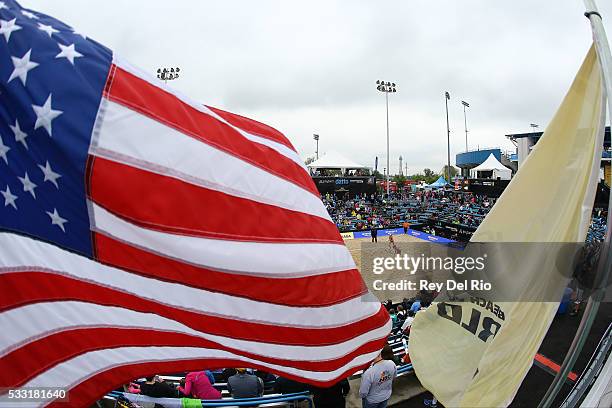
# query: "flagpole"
{"type": "Point", "coordinates": [448, 168]}
{"type": "Point", "coordinates": [605, 261]}
{"type": "Point", "coordinates": [602, 46]}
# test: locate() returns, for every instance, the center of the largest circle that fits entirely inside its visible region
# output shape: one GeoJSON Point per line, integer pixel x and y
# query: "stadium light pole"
{"type": "Point", "coordinates": [448, 172]}
{"type": "Point", "coordinates": [166, 74]}
{"type": "Point", "coordinates": [387, 88]}
{"type": "Point", "coordinates": [465, 105]}
{"type": "Point", "coordinates": [316, 138]}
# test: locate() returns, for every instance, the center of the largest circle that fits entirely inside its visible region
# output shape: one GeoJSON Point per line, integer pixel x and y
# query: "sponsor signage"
{"type": "Point", "coordinates": [353, 185]}
{"type": "Point", "coordinates": [396, 231]}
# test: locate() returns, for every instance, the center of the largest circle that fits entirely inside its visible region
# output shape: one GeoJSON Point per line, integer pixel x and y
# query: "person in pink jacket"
{"type": "Point", "coordinates": [197, 385]}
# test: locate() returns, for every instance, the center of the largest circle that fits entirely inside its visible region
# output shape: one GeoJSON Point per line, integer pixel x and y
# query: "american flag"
{"type": "Point", "coordinates": [143, 232]}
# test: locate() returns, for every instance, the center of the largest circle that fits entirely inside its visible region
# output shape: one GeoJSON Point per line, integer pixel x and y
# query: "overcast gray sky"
{"type": "Point", "coordinates": [309, 67]}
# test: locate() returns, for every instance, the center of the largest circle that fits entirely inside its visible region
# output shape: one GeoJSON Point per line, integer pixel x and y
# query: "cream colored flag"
{"type": "Point", "coordinates": [549, 200]}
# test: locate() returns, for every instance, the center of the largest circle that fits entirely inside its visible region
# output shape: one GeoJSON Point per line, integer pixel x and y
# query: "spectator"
{"type": "Point", "coordinates": [227, 373]}
{"type": "Point", "coordinates": [393, 316]}
{"type": "Point", "coordinates": [416, 306]}
{"type": "Point", "coordinates": [408, 323]}
{"type": "Point", "coordinates": [401, 313]}
{"type": "Point", "coordinates": [132, 388]}
{"type": "Point", "coordinates": [332, 397]}
{"type": "Point", "coordinates": [156, 388]}
{"type": "Point", "coordinates": [265, 376]}
{"type": "Point", "coordinates": [243, 385]}
{"type": "Point", "coordinates": [198, 385]}
{"type": "Point", "coordinates": [374, 233]}
{"type": "Point", "coordinates": [286, 386]}
{"type": "Point", "coordinates": [377, 380]}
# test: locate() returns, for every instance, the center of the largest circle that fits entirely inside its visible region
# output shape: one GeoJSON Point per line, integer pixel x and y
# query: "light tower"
{"type": "Point", "coordinates": [387, 88]}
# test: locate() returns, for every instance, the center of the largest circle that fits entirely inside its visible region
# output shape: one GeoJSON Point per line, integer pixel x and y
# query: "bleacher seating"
{"type": "Point", "coordinates": [269, 399]}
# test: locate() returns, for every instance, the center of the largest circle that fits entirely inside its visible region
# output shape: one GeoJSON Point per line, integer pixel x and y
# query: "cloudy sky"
{"type": "Point", "coordinates": [309, 67]}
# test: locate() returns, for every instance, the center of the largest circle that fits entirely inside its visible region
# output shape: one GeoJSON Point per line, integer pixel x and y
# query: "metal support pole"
{"type": "Point", "coordinates": [605, 260]}
{"type": "Point", "coordinates": [466, 131]}
{"type": "Point", "coordinates": [388, 168]}
{"type": "Point", "coordinates": [448, 168]}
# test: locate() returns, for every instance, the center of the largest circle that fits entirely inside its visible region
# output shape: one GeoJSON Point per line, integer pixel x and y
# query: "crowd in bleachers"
{"type": "Point", "coordinates": [420, 209]}
{"type": "Point", "coordinates": [424, 210]}
{"type": "Point", "coordinates": [597, 229]}
{"type": "Point", "coordinates": [244, 385]}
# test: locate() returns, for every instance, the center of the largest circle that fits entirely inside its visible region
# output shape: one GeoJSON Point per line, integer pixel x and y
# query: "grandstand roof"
{"type": "Point", "coordinates": [334, 160]}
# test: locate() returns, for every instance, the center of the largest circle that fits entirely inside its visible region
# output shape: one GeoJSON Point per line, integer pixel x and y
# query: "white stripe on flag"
{"type": "Point", "coordinates": [252, 258]}
{"type": "Point", "coordinates": [161, 149]}
{"type": "Point", "coordinates": [52, 317]}
{"type": "Point", "coordinates": [19, 251]}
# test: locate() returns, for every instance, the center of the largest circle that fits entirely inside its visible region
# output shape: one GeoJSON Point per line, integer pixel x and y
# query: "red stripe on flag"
{"type": "Point", "coordinates": [253, 127]}
{"type": "Point", "coordinates": [338, 286]}
{"type": "Point", "coordinates": [23, 288]}
{"type": "Point", "coordinates": [179, 207]}
{"type": "Point", "coordinates": [40, 355]}
{"type": "Point", "coordinates": [147, 99]}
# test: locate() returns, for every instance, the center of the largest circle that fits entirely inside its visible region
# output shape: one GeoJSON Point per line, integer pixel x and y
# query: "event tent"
{"type": "Point", "coordinates": [493, 165]}
{"type": "Point", "coordinates": [334, 160]}
{"type": "Point", "coordinates": [440, 182]}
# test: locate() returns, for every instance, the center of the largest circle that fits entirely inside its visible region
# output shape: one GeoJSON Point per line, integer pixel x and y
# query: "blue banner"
{"type": "Point", "coordinates": [400, 231]}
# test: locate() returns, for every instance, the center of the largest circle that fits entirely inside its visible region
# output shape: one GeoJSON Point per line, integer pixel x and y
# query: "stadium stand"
{"type": "Point", "coordinates": [450, 214]}
{"type": "Point", "coordinates": [398, 342]}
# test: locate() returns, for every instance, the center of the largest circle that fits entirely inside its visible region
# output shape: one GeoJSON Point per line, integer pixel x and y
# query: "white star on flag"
{"type": "Point", "coordinates": [45, 114]}
{"type": "Point", "coordinates": [47, 29]}
{"type": "Point", "coordinates": [29, 14]}
{"type": "Point", "coordinates": [20, 135]}
{"type": "Point", "coordinates": [28, 186]}
{"type": "Point", "coordinates": [56, 219]}
{"type": "Point", "coordinates": [68, 52]}
{"type": "Point", "coordinates": [9, 198]}
{"type": "Point", "coordinates": [50, 175]}
{"type": "Point", "coordinates": [22, 66]}
{"type": "Point", "coordinates": [3, 5]}
{"type": "Point", "coordinates": [3, 150]}
{"type": "Point", "coordinates": [7, 27]}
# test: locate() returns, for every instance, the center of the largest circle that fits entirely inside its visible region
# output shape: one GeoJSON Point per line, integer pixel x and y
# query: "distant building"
{"type": "Point", "coordinates": [473, 158]}
{"type": "Point", "coordinates": [525, 142]}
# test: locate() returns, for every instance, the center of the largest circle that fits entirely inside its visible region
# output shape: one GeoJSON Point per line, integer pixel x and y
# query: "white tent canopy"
{"type": "Point", "coordinates": [334, 160]}
{"type": "Point", "coordinates": [494, 165]}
